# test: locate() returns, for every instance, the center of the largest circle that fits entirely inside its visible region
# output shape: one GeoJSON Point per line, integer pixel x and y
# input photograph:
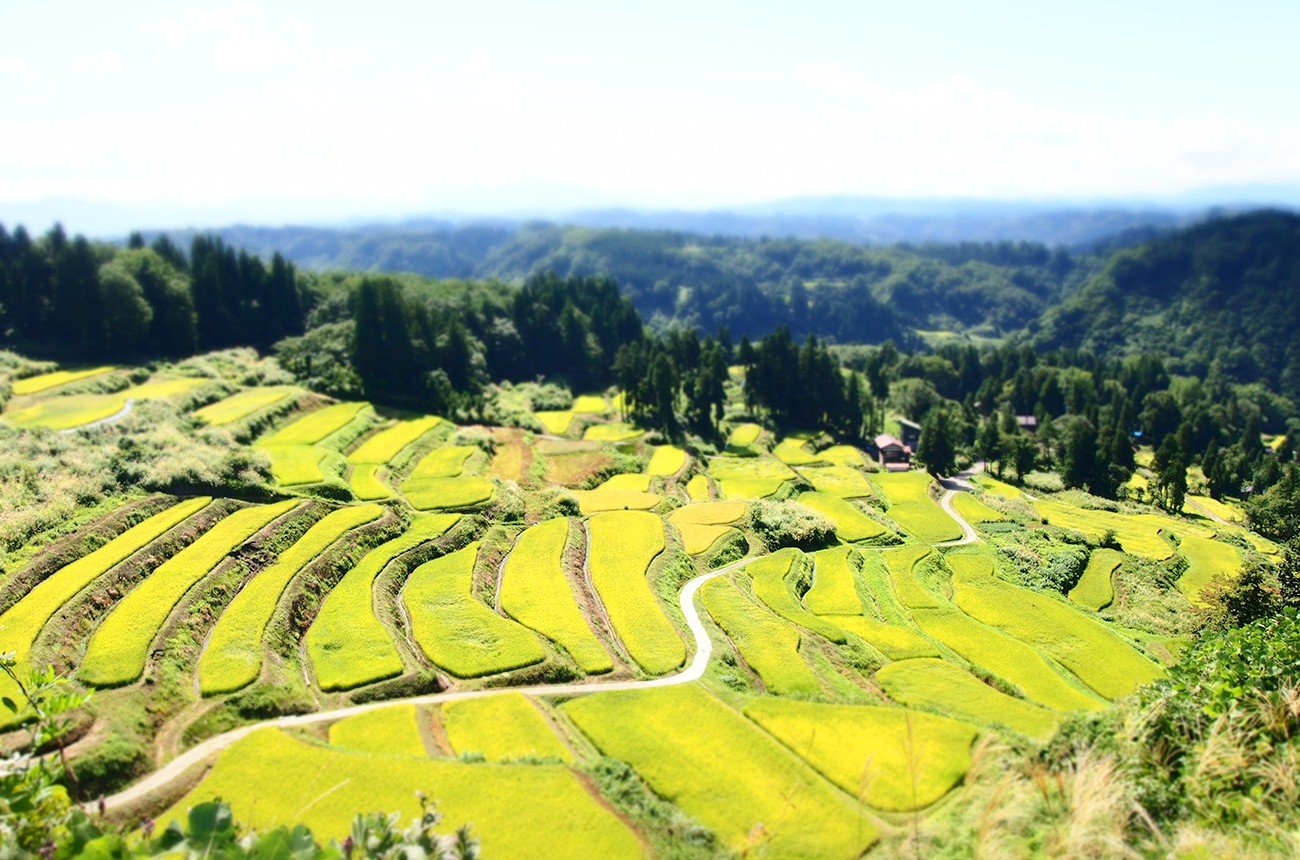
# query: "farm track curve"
{"type": "Point", "coordinates": [196, 755]}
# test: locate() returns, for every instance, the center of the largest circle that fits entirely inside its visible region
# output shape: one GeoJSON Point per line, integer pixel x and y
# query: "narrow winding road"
{"type": "Point", "coordinates": [196, 755]}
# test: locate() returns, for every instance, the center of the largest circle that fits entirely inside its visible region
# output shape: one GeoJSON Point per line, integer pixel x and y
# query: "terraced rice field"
{"type": "Point", "coordinates": [269, 778]}
{"type": "Point", "coordinates": [120, 645]}
{"type": "Point", "coordinates": [703, 524]}
{"type": "Point", "coordinates": [771, 576]}
{"type": "Point", "coordinates": [1095, 588]}
{"type": "Point", "coordinates": [843, 455]}
{"type": "Point", "coordinates": [891, 758]}
{"type": "Point", "coordinates": [243, 404]}
{"type": "Point", "coordinates": [904, 583]}
{"type": "Point", "coordinates": [615, 431]}
{"type": "Point", "coordinates": [851, 524]}
{"type": "Point", "coordinates": [744, 435]}
{"type": "Point", "coordinates": [998, 488]}
{"type": "Point", "coordinates": [697, 489]}
{"type": "Point", "coordinates": [944, 686]}
{"type": "Point", "coordinates": [725, 772]}
{"type": "Point", "coordinates": [895, 641]}
{"type": "Point", "coordinates": [77, 410]}
{"type": "Point", "coordinates": [912, 508]}
{"type": "Point", "coordinates": [295, 465]}
{"type": "Point", "coordinates": [347, 643]}
{"type": "Point", "coordinates": [501, 729]}
{"type": "Point", "coordinates": [555, 422]}
{"type": "Point", "coordinates": [667, 460]}
{"type": "Point", "coordinates": [456, 631]}
{"type": "Point", "coordinates": [834, 590]}
{"type": "Point", "coordinates": [383, 447]}
{"type": "Point", "coordinates": [536, 592]}
{"type": "Point", "coordinates": [1227, 510]}
{"type": "Point", "coordinates": [1207, 560]}
{"type": "Point", "coordinates": [1138, 534]}
{"type": "Point", "coordinates": [794, 451]}
{"type": "Point", "coordinates": [590, 404]}
{"type": "Point", "coordinates": [366, 485]}
{"type": "Point", "coordinates": [45, 381]}
{"type": "Point", "coordinates": [878, 590]}
{"type": "Point", "coordinates": [233, 656]}
{"type": "Point", "coordinates": [449, 494]}
{"type": "Point", "coordinates": [842, 481]}
{"type": "Point", "coordinates": [1107, 664]}
{"type": "Point", "coordinates": [974, 510]}
{"type": "Point", "coordinates": [316, 426]}
{"type": "Point", "coordinates": [394, 730]}
{"type": "Point", "coordinates": [749, 477]}
{"type": "Point", "coordinates": [22, 622]}
{"type": "Point", "coordinates": [600, 500]}
{"type": "Point", "coordinates": [767, 644]}
{"type": "Point", "coordinates": [620, 548]}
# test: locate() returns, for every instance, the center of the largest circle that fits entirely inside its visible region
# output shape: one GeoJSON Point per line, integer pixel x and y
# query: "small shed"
{"type": "Point", "coordinates": [894, 456]}
{"type": "Point", "coordinates": [910, 432]}
{"type": "Point", "coordinates": [1028, 423]}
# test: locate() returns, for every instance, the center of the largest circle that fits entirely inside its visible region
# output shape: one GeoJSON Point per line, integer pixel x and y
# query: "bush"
{"type": "Point", "coordinates": [109, 766]}
{"type": "Point", "coordinates": [785, 524]}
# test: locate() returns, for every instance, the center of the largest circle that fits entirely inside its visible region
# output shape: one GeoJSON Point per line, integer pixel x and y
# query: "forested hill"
{"type": "Point", "coordinates": [1222, 297]}
{"type": "Point", "coordinates": [838, 290]}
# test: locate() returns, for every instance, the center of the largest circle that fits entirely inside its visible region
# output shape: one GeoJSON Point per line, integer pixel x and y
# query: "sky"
{"type": "Point", "coordinates": [274, 112]}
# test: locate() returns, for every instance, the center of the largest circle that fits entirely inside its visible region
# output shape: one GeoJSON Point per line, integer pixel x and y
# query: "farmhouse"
{"type": "Point", "coordinates": [893, 454]}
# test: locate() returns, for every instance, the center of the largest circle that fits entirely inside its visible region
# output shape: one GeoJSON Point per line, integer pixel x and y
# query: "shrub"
{"type": "Point", "coordinates": [785, 524]}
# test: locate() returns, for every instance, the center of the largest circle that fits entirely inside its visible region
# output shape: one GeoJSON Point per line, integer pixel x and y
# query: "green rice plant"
{"type": "Point", "coordinates": [1095, 588]}
{"type": "Point", "coordinates": [295, 465]}
{"type": "Point", "coordinates": [703, 524]}
{"type": "Point", "coordinates": [1223, 508]}
{"type": "Point", "coordinates": [597, 501]}
{"type": "Point", "coordinates": [615, 431]}
{"type": "Point", "coordinates": [445, 462]}
{"type": "Point", "coordinates": [449, 493]}
{"type": "Point", "coordinates": [590, 404]}
{"type": "Point", "coordinates": [944, 686]}
{"type": "Point", "coordinates": [697, 538]}
{"type": "Point", "coordinates": [749, 477]}
{"type": "Point", "coordinates": [876, 580]}
{"type": "Point", "coordinates": [772, 576]}
{"type": "Point", "coordinates": [46, 381]}
{"type": "Point", "coordinates": [365, 484]}
{"type": "Point", "coordinates": [555, 422]}
{"type": "Point", "coordinates": [536, 592]}
{"type": "Point", "coordinates": [1106, 663]}
{"type": "Point", "coordinates": [834, 590]}
{"type": "Point", "coordinates": [975, 511]}
{"type": "Point", "coordinates": [456, 631]}
{"type": "Point", "coordinates": [844, 482]}
{"type": "Point", "coordinates": [1138, 534]}
{"type": "Point", "coordinates": [233, 656]}
{"type": "Point", "coordinates": [120, 645]}
{"type": "Point", "coordinates": [843, 455]}
{"type": "Point", "coordinates": [394, 730]}
{"type": "Point", "coordinates": [384, 446]}
{"type": "Point", "coordinates": [722, 770]}
{"type": "Point", "coordinates": [1015, 662]}
{"type": "Point", "coordinates": [270, 778]}
{"type": "Point", "coordinates": [998, 488]}
{"type": "Point", "coordinates": [22, 622]}
{"type": "Point", "coordinates": [901, 564]}
{"type": "Point", "coordinates": [242, 404]}
{"type": "Point", "coordinates": [769, 645]}
{"type": "Point", "coordinates": [77, 410]}
{"type": "Point", "coordinates": [347, 643]}
{"type": "Point", "coordinates": [316, 426]}
{"type": "Point", "coordinates": [621, 545]}
{"type": "Point", "coordinates": [667, 460]}
{"type": "Point", "coordinates": [697, 489]}
{"type": "Point", "coordinates": [502, 728]}
{"type": "Point", "coordinates": [1207, 560]}
{"type": "Point", "coordinates": [850, 523]}
{"type": "Point", "coordinates": [893, 640]}
{"type": "Point", "coordinates": [912, 508]}
{"type": "Point", "coordinates": [890, 758]}
{"type": "Point", "coordinates": [793, 451]}
{"type": "Point", "coordinates": [744, 435]}
{"type": "Point", "coordinates": [627, 482]}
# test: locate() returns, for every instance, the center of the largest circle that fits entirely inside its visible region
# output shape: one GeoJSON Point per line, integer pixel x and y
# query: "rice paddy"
{"type": "Point", "coordinates": [536, 592]}
{"type": "Point", "coordinates": [1139, 534]}
{"type": "Point", "coordinates": [621, 545]}
{"type": "Point", "coordinates": [394, 730]}
{"type": "Point", "coordinates": [749, 477]}
{"type": "Point", "coordinates": [842, 481]}
{"type": "Point", "coordinates": [834, 590]}
{"type": "Point", "coordinates": [666, 460]}
{"type": "Point", "coordinates": [895, 641]}
{"type": "Point", "coordinates": [501, 729]}
{"type": "Point", "coordinates": [78, 410]}
{"type": "Point", "coordinates": [555, 422]}
{"type": "Point", "coordinates": [616, 432]}
{"type": "Point", "coordinates": [457, 632]}
{"type": "Point", "coordinates": [946, 687]}
{"type": "Point", "coordinates": [771, 575]}
{"type": "Point", "coordinates": [851, 524]}
{"type": "Point", "coordinates": [912, 508]}
{"type": "Point", "coordinates": [767, 644]}
{"type": "Point", "coordinates": [725, 772]}
{"type": "Point", "coordinates": [46, 381]}
{"type": "Point", "coordinates": [348, 644]}
{"type": "Point", "coordinates": [1096, 588]}
{"type": "Point", "coordinates": [1208, 560]}
{"type": "Point", "coordinates": [893, 759]}
{"type": "Point", "coordinates": [973, 510]}
{"type": "Point", "coordinates": [316, 426]}
{"type": "Point", "coordinates": [384, 446]}
{"type": "Point", "coordinates": [120, 645]}
{"type": "Point", "coordinates": [744, 435]}
{"type": "Point", "coordinates": [795, 451]}
{"type": "Point", "coordinates": [243, 404]}
{"type": "Point", "coordinates": [233, 656]}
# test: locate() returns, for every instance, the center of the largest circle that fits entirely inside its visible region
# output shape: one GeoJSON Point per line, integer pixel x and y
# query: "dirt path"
{"type": "Point", "coordinates": [958, 483]}
{"type": "Point", "coordinates": [195, 756]}
{"type": "Point", "coordinates": [116, 416]}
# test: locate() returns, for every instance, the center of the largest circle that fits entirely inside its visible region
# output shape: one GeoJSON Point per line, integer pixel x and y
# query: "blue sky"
{"type": "Point", "coordinates": [313, 111]}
